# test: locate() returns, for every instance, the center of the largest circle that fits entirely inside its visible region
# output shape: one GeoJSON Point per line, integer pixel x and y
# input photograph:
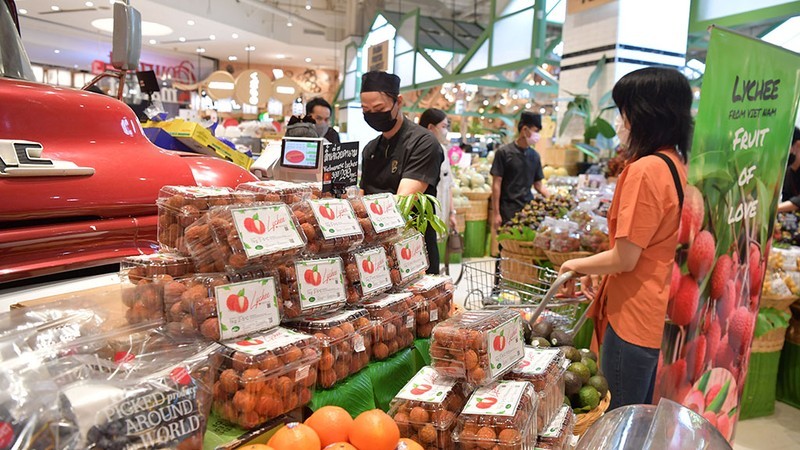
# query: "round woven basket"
{"type": "Point", "coordinates": [560, 258]}
{"type": "Point", "coordinates": [779, 303]}
{"type": "Point", "coordinates": [478, 210]}
{"type": "Point", "coordinates": [771, 341]}
{"type": "Point", "coordinates": [461, 221]}
{"type": "Point", "coordinates": [518, 267]}
{"type": "Point", "coordinates": [586, 420]}
{"type": "Point", "coordinates": [523, 248]}
{"type": "Point", "coordinates": [478, 195]}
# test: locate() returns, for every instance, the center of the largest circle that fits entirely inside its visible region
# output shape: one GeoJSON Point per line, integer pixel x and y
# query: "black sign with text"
{"type": "Point", "coordinates": [339, 167]}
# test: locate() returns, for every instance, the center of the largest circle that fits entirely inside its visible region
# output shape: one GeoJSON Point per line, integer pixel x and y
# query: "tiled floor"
{"type": "Point", "coordinates": [781, 431]}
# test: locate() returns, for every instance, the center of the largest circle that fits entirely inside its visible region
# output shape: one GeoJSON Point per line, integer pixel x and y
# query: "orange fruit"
{"type": "Point", "coordinates": [374, 430]}
{"type": "Point", "coordinates": [331, 423]}
{"type": "Point", "coordinates": [408, 444]}
{"type": "Point", "coordinates": [340, 446]}
{"type": "Point", "coordinates": [295, 436]}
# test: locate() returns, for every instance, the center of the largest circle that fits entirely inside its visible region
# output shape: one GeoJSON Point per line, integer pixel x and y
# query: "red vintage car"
{"type": "Point", "coordinates": [78, 177]}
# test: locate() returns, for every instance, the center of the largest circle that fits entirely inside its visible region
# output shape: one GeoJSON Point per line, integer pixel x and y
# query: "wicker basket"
{"type": "Point", "coordinates": [478, 210]}
{"type": "Point", "coordinates": [461, 221]}
{"type": "Point", "coordinates": [518, 267]}
{"type": "Point", "coordinates": [771, 341]}
{"type": "Point", "coordinates": [560, 258]}
{"type": "Point", "coordinates": [478, 195]}
{"type": "Point", "coordinates": [779, 303]}
{"type": "Point", "coordinates": [586, 420]}
{"type": "Point", "coordinates": [523, 248]}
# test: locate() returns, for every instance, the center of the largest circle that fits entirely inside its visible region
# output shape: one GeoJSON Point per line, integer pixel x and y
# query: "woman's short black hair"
{"type": "Point", "coordinates": [431, 116]}
{"type": "Point", "coordinates": [657, 102]}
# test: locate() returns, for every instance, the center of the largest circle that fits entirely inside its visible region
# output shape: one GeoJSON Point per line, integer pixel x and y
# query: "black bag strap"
{"type": "Point", "coordinates": [675, 177]}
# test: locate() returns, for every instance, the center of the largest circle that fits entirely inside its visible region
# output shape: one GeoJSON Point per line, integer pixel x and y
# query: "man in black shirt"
{"type": "Point", "coordinates": [517, 167]}
{"type": "Point", "coordinates": [405, 158]}
{"type": "Point", "coordinates": [791, 181]}
{"type": "Point", "coordinates": [320, 111]}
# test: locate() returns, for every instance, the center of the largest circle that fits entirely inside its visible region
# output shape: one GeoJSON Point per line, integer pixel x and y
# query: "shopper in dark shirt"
{"type": "Point", "coordinates": [516, 168]}
{"type": "Point", "coordinates": [790, 200]}
{"type": "Point", "coordinates": [405, 159]}
{"type": "Point", "coordinates": [320, 111]}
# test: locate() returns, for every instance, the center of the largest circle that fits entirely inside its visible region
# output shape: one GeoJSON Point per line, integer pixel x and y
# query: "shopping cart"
{"type": "Point", "coordinates": [531, 289]}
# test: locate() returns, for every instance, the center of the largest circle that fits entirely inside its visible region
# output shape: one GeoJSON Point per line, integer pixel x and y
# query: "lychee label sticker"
{"type": "Point", "coordinates": [497, 399]}
{"type": "Point", "coordinates": [427, 386]}
{"type": "Point", "coordinates": [536, 360]}
{"type": "Point", "coordinates": [382, 212]}
{"type": "Point", "coordinates": [373, 269]}
{"type": "Point", "coordinates": [320, 282]}
{"type": "Point", "coordinates": [554, 429]}
{"type": "Point", "coordinates": [335, 218]}
{"type": "Point", "coordinates": [247, 307]}
{"type": "Point", "coordinates": [428, 282]}
{"type": "Point", "coordinates": [506, 346]}
{"type": "Point", "coordinates": [260, 343]}
{"type": "Point", "coordinates": [389, 299]}
{"type": "Point", "coordinates": [411, 256]}
{"type": "Point", "coordinates": [266, 230]}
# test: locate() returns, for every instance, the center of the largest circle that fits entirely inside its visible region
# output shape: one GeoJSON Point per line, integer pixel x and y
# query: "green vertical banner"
{"type": "Point", "coordinates": [742, 135]}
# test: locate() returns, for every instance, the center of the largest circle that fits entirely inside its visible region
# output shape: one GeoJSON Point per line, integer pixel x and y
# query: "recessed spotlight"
{"type": "Point", "coordinates": [308, 60]}
{"type": "Point", "coordinates": [22, 11]}
{"type": "Point", "coordinates": [190, 22]}
{"type": "Point", "coordinates": [527, 105]}
{"type": "Point", "coordinates": [235, 36]}
{"type": "Point", "coordinates": [89, 4]}
{"type": "Point", "coordinates": [308, 5]}
{"type": "Point", "coordinates": [279, 56]}
{"type": "Point", "coordinates": [200, 50]}
{"type": "Point", "coordinates": [153, 42]}
{"type": "Point", "coordinates": [182, 39]}
{"type": "Point", "coordinates": [289, 22]}
{"type": "Point", "coordinates": [212, 37]}
{"type": "Point", "coordinates": [232, 58]}
{"type": "Point", "coordinates": [56, 51]}
{"type": "Point", "coordinates": [55, 8]}
{"type": "Point", "coordinates": [250, 48]}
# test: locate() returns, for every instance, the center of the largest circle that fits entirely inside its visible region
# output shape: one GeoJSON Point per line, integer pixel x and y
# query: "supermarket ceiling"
{"type": "Point", "coordinates": [306, 33]}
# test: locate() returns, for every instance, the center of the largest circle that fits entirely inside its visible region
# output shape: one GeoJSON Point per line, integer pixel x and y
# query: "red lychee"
{"type": "Point", "coordinates": [692, 215]}
{"type": "Point", "coordinates": [720, 276]}
{"type": "Point", "coordinates": [701, 254]}
{"type": "Point", "coordinates": [724, 357]}
{"type": "Point", "coordinates": [740, 328]}
{"type": "Point", "coordinates": [727, 303]}
{"type": "Point", "coordinates": [681, 310]}
{"type": "Point", "coordinates": [696, 357]}
{"type": "Point", "coordinates": [755, 269]}
{"type": "Point", "coordinates": [677, 371]}
{"type": "Point", "coordinates": [713, 335]}
{"type": "Point", "coordinates": [675, 281]}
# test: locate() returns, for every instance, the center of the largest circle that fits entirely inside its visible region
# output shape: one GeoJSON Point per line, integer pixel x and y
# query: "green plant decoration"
{"type": "Point", "coordinates": [419, 210]}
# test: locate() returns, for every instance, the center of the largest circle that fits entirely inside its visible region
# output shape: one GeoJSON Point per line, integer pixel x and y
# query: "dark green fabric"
{"type": "Point", "coordinates": [788, 390]}
{"type": "Point", "coordinates": [475, 239]}
{"type": "Point", "coordinates": [758, 398]}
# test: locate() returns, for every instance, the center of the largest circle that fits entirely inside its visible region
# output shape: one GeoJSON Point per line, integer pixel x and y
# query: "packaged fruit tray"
{"type": "Point", "coordinates": [142, 282]}
{"type": "Point", "coordinates": [276, 191]}
{"type": "Point", "coordinates": [544, 367]}
{"type": "Point", "coordinates": [500, 415]}
{"type": "Point", "coordinates": [426, 409]}
{"type": "Point", "coordinates": [181, 206]}
{"type": "Point", "coordinates": [557, 434]}
{"type": "Point", "coordinates": [368, 273]}
{"type": "Point", "coordinates": [330, 225]}
{"type": "Point", "coordinates": [479, 346]}
{"type": "Point", "coordinates": [379, 217]}
{"type": "Point", "coordinates": [314, 286]}
{"type": "Point", "coordinates": [223, 306]}
{"type": "Point", "coordinates": [433, 296]}
{"type": "Point", "coordinates": [394, 324]}
{"type": "Point", "coordinates": [233, 238]}
{"type": "Point", "coordinates": [408, 257]}
{"type": "Point", "coordinates": [346, 340]}
{"type": "Point", "coordinates": [266, 375]}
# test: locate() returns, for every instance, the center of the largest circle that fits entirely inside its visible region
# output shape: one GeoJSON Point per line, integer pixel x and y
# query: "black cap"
{"type": "Point", "coordinates": [529, 119]}
{"type": "Point", "coordinates": [377, 81]}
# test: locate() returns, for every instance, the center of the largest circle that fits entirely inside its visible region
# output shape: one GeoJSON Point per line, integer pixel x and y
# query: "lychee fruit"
{"type": "Point", "coordinates": [677, 371]}
{"type": "Point", "coordinates": [701, 254]}
{"type": "Point", "coordinates": [755, 270]}
{"type": "Point", "coordinates": [675, 280]}
{"type": "Point", "coordinates": [681, 310]}
{"type": "Point", "coordinates": [696, 356]}
{"type": "Point", "coordinates": [711, 417]}
{"type": "Point", "coordinates": [692, 215]}
{"type": "Point", "coordinates": [740, 328]}
{"type": "Point", "coordinates": [724, 425]}
{"type": "Point", "coordinates": [725, 356]}
{"type": "Point", "coordinates": [727, 303]}
{"type": "Point", "coordinates": [720, 276]}
{"type": "Point", "coordinates": [713, 335]}
{"type": "Point", "coordinates": [713, 390]}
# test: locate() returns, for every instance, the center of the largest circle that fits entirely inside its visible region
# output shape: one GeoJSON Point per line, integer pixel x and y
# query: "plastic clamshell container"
{"type": "Point", "coordinates": [329, 224]}
{"type": "Point", "coordinates": [313, 286]}
{"type": "Point", "coordinates": [394, 324]}
{"type": "Point", "coordinates": [408, 257]}
{"type": "Point", "coordinates": [276, 191]}
{"type": "Point", "coordinates": [479, 346]}
{"type": "Point", "coordinates": [346, 340]}
{"type": "Point", "coordinates": [500, 415]}
{"type": "Point", "coordinates": [223, 306]}
{"type": "Point", "coordinates": [181, 206]}
{"type": "Point", "coordinates": [379, 217]}
{"type": "Point", "coordinates": [234, 238]}
{"type": "Point", "coordinates": [557, 434]}
{"type": "Point", "coordinates": [367, 271]}
{"type": "Point", "coordinates": [266, 375]}
{"type": "Point", "coordinates": [433, 295]}
{"type": "Point", "coordinates": [544, 368]}
{"type": "Point", "coordinates": [426, 409]}
{"type": "Point", "coordinates": [142, 283]}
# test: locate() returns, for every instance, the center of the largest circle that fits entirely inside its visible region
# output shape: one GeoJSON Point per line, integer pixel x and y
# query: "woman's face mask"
{"type": "Point", "coordinates": [440, 131]}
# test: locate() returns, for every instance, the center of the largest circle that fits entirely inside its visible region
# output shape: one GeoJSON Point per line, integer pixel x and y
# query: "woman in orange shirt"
{"type": "Point", "coordinates": [631, 303]}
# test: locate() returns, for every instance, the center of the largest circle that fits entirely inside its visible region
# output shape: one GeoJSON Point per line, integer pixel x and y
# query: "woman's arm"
{"type": "Point", "coordinates": [623, 257]}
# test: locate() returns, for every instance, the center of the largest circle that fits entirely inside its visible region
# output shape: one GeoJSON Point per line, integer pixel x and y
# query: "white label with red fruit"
{"type": "Point", "coordinates": [389, 300]}
{"type": "Point", "coordinates": [428, 282]}
{"type": "Point", "coordinates": [497, 399]}
{"type": "Point", "coordinates": [258, 344]}
{"type": "Point", "coordinates": [335, 218]}
{"type": "Point", "coordinates": [536, 360]}
{"type": "Point", "coordinates": [267, 229]}
{"type": "Point", "coordinates": [427, 386]}
{"type": "Point", "coordinates": [411, 256]}
{"type": "Point", "coordinates": [320, 282]}
{"type": "Point", "coordinates": [382, 212]}
{"type": "Point", "coordinates": [373, 269]}
{"type": "Point", "coordinates": [506, 347]}
{"type": "Point", "coordinates": [247, 307]}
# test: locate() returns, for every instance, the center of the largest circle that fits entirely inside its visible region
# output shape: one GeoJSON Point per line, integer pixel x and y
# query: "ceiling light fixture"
{"type": "Point", "coordinates": [250, 48]}
{"type": "Point", "coordinates": [200, 50]}
{"type": "Point", "coordinates": [235, 36]}
{"type": "Point", "coordinates": [182, 39]}
{"type": "Point", "coordinates": [22, 11]}
{"type": "Point", "coordinates": [55, 8]}
{"type": "Point", "coordinates": [212, 37]}
{"type": "Point", "coordinates": [232, 58]}
{"type": "Point", "coordinates": [280, 56]}
{"type": "Point", "coordinates": [289, 21]}
{"type": "Point", "coordinates": [190, 22]}
{"type": "Point", "coordinates": [153, 42]}
{"type": "Point", "coordinates": [56, 51]}
{"type": "Point", "coordinates": [308, 5]}
{"type": "Point", "coordinates": [89, 4]}
{"type": "Point", "coordinates": [308, 60]}
{"type": "Point", "coordinates": [277, 73]}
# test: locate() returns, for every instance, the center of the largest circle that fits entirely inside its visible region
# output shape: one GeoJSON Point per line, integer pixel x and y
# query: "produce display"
{"type": "Point", "coordinates": [478, 346]}
{"type": "Point", "coordinates": [557, 434]}
{"type": "Point", "coordinates": [266, 375]}
{"type": "Point", "coordinates": [368, 273]}
{"type": "Point", "coordinates": [532, 215]}
{"type": "Point", "coordinates": [475, 179]}
{"type": "Point", "coordinates": [346, 340]}
{"type": "Point", "coordinates": [313, 286]}
{"type": "Point", "coordinates": [426, 409]}
{"type": "Point", "coordinates": [544, 367]}
{"type": "Point", "coordinates": [500, 415]}
{"type": "Point", "coordinates": [143, 279]}
{"type": "Point", "coordinates": [274, 191]}
{"type": "Point", "coordinates": [378, 216]}
{"type": "Point", "coordinates": [407, 257]}
{"type": "Point", "coordinates": [330, 225]}
{"type": "Point", "coordinates": [394, 323]}
{"type": "Point", "coordinates": [433, 297]}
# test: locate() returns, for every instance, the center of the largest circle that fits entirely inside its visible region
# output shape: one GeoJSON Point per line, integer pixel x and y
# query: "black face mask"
{"type": "Point", "coordinates": [791, 159]}
{"type": "Point", "coordinates": [380, 121]}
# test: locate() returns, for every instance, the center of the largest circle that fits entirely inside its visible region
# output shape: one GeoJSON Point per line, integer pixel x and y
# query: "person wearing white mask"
{"type": "Point", "coordinates": [516, 168]}
{"type": "Point", "coordinates": [320, 110]}
{"type": "Point", "coordinates": [435, 121]}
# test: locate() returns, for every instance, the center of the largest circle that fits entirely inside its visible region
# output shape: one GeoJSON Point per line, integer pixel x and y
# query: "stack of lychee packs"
{"type": "Point", "coordinates": [144, 279]}
{"type": "Point", "coordinates": [393, 323]}
{"type": "Point", "coordinates": [433, 297]}
{"type": "Point", "coordinates": [544, 368]}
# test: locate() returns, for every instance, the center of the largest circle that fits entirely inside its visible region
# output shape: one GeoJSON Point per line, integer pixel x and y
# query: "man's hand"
{"type": "Point", "coordinates": [453, 220]}
{"type": "Point", "coordinates": [497, 221]}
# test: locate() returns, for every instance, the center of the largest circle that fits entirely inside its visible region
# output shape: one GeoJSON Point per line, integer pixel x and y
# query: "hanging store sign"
{"type": "Point", "coordinates": [253, 87]}
{"type": "Point", "coordinates": [219, 85]}
{"type": "Point", "coordinates": [378, 56]}
{"type": "Point", "coordinates": [576, 6]}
